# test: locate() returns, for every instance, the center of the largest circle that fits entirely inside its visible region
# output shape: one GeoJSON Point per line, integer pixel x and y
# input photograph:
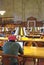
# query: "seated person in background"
{"type": "Point", "coordinates": [13, 32]}
{"type": "Point", "coordinates": [30, 44]}
{"type": "Point", "coordinates": [2, 35]}
{"type": "Point", "coordinates": [12, 47]}
{"type": "Point", "coordinates": [34, 44]}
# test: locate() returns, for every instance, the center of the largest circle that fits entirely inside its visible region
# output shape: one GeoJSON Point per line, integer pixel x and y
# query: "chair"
{"type": "Point", "coordinates": [27, 58]}
{"type": "Point", "coordinates": [6, 60]}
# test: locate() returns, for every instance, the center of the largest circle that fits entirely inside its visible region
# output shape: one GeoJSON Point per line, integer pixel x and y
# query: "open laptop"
{"type": "Point", "coordinates": [21, 44]}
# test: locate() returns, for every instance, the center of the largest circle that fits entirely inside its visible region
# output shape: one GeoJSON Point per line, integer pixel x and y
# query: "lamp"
{"type": "Point", "coordinates": [2, 12]}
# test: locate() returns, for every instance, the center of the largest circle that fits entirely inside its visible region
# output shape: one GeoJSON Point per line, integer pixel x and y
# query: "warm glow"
{"type": "Point", "coordinates": [2, 12]}
{"type": "Point", "coordinates": [21, 31]}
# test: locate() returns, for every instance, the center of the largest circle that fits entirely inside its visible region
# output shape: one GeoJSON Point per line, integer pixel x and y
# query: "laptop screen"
{"type": "Point", "coordinates": [21, 44]}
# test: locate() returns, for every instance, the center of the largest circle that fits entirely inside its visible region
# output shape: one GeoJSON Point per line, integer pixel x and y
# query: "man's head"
{"type": "Point", "coordinates": [12, 37]}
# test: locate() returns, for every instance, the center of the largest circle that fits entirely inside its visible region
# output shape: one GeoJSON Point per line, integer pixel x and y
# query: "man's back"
{"type": "Point", "coordinates": [12, 48]}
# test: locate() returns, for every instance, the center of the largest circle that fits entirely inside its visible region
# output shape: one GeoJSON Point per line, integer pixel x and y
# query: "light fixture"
{"type": "Point", "coordinates": [2, 12]}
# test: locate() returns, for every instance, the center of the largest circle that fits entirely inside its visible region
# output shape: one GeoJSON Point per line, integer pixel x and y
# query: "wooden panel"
{"type": "Point", "coordinates": [39, 24]}
{"type": "Point", "coordinates": [31, 24]}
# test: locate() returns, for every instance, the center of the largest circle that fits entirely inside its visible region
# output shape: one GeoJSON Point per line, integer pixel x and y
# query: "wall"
{"type": "Point", "coordinates": [22, 9]}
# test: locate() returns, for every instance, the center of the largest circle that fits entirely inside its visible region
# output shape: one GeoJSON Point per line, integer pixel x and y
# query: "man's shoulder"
{"type": "Point", "coordinates": [16, 43]}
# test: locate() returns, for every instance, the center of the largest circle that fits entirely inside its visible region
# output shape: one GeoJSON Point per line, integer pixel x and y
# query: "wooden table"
{"type": "Point", "coordinates": [33, 52]}
{"type": "Point", "coordinates": [25, 39]}
{"type": "Point", "coordinates": [4, 38]}
{"type": "Point", "coordinates": [32, 39]}
{"type": "Point", "coordinates": [37, 52]}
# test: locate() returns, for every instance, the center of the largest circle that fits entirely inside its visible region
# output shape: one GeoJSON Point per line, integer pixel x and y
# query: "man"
{"type": "Point", "coordinates": [12, 47]}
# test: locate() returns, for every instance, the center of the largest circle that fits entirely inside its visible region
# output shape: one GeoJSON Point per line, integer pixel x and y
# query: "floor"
{"type": "Point", "coordinates": [30, 62]}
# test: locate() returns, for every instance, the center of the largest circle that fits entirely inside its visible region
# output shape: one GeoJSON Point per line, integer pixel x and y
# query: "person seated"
{"type": "Point", "coordinates": [34, 44]}
{"type": "Point", "coordinates": [30, 44]}
{"type": "Point", "coordinates": [12, 47]}
{"type": "Point", "coordinates": [13, 32]}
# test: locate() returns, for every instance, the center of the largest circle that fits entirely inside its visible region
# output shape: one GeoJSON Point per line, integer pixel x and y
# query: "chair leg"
{"type": "Point", "coordinates": [24, 60]}
{"type": "Point", "coordinates": [36, 61]}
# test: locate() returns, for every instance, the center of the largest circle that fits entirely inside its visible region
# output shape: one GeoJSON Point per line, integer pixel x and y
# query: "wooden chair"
{"type": "Point", "coordinates": [27, 58]}
{"type": "Point", "coordinates": [6, 60]}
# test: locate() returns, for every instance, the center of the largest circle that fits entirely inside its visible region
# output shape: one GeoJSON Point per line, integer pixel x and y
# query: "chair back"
{"type": "Point", "coordinates": [6, 60]}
